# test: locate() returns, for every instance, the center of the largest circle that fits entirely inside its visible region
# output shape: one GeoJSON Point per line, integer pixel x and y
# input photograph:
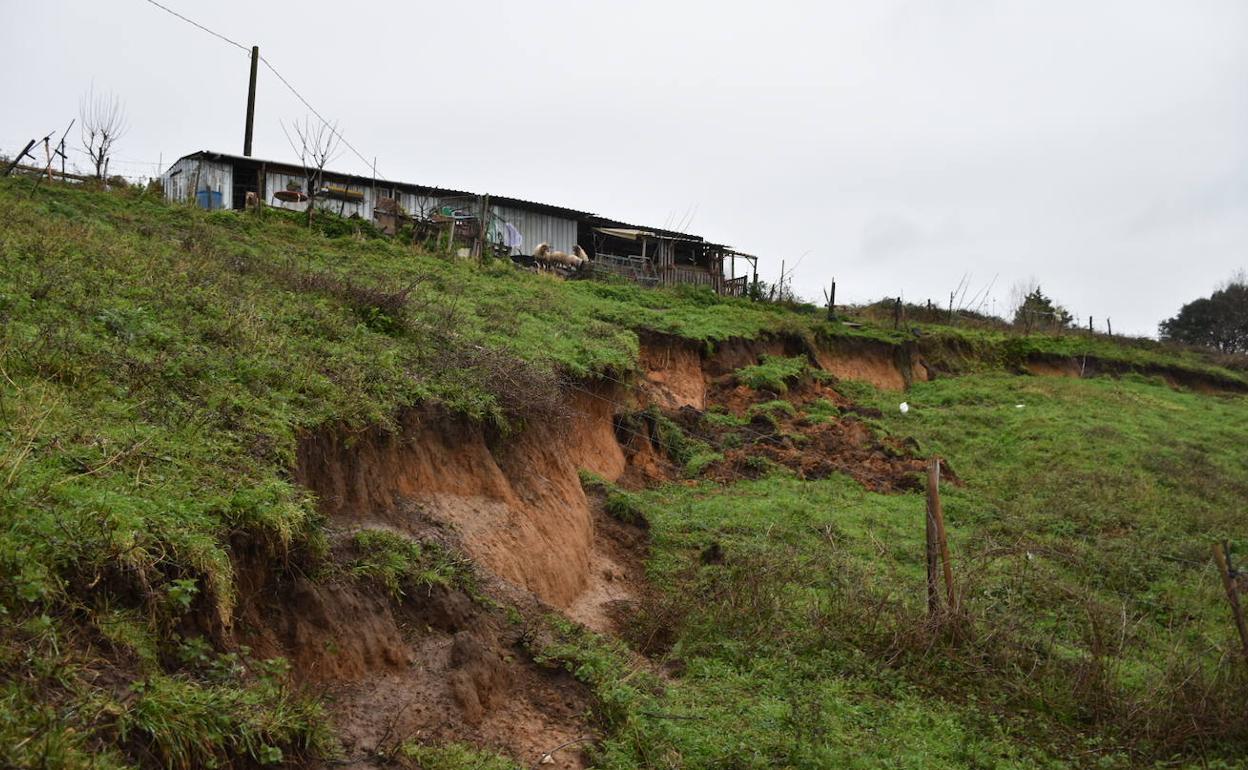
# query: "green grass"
{"type": "Point", "coordinates": [158, 364]}
{"type": "Point", "coordinates": [970, 349]}
{"type": "Point", "coordinates": [1095, 631]}
{"type": "Point", "coordinates": [774, 373]}
{"type": "Point", "coordinates": [450, 757]}
{"type": "Point", "coordinates": [403, 567]}
{"type": "Point", "coordinates": [772, 410]}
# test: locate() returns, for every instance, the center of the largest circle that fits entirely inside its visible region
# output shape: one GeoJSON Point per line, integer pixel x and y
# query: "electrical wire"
{"type": "Point", "coordinates": [234, 43]}
{"type": "Point", "coordinates": [333, 129]}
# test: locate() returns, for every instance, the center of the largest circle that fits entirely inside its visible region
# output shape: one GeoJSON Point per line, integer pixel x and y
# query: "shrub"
{"type": "Point", "coordinates": [774, 373]}
{"type": "Point", "coordinates": [402, 566]}
{"type": "Point", "coordinates": [691, 454]}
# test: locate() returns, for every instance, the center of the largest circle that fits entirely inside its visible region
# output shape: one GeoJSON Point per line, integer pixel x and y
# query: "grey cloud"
{"type": "Point", "coordinates": [1095, 145]}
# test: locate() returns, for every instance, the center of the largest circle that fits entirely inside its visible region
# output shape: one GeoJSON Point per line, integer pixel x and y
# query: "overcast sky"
{"type": "Point", "coordinates": [1101, 147]}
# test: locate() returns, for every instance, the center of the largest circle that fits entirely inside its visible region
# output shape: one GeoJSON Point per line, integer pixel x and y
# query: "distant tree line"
{"type": "Point", "coordinates": [1219, 321]}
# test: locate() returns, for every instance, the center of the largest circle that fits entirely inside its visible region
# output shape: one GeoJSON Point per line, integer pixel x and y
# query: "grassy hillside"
{"type": "Point", "coordinates": [157, 364]}
{"type": "Point", "coordinates": [1094, 629]}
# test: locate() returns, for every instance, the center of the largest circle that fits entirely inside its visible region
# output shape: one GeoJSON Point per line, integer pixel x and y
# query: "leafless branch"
{"type": "Point", "coordinates": [103, 121]}
{"type": "Point", "coordinates": [316, 144]}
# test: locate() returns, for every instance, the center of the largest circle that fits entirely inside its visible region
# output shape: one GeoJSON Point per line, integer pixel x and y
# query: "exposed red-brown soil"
{"type": "Point", "coordinates": [677, 373]}
{"type": "Point", "coordinates": [516, 501]}
{"type": "Point", "coordinates": [618, 575]}
{"type": "Point", "coordinates": [432, 667]}
{"type": "Point", "coordinates": [884, 366]}
{"type": "Point", "coordinates": [672, 374]}
{"type": "Point", "coordinates": [1053, 367]}
{"type": "Point", "coordinates": [438, 667]}
{"type": "Point", "coordinates": [1090, 366]}
{"type": "Point", "coordinates": [811, 447]}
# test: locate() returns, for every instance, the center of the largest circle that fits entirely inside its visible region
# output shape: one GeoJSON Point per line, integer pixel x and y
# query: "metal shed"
{"type": "Point", "coordinates": [515, 226]}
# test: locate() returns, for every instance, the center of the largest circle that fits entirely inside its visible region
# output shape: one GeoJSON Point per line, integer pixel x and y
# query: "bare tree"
{"type": "Point", "coordinates": [316, 144]}
{"type": "Point", "coordinates": [103, 121]}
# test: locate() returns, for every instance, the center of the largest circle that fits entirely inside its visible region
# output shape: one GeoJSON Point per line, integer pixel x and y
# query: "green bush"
{"type": "Point", "coordinates": [774, 373]}
{"type": "Point", "coordinates": [403, 566]}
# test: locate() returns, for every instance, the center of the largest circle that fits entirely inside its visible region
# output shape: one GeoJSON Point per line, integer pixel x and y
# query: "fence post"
{"type": "Point", "coordinates": [1230, 583]}
{"type": "Point", "coordinates": [1109, 325]}
{"type": "Point", "coordinates": [937, 518]}
{"type": "Point", "coordinates": [932, 553]}
{"type": "Point", "coordinates": [18, 157]}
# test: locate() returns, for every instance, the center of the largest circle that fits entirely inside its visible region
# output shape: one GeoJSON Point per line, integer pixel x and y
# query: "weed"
{"type": "Point", "coordinates": [403, 566]}
{"type": "Point", "coordinates": [774, 374]}
{"type": "Point", "coordinates": [691, 454]}
{"type": "Point", "coordinates": [454, 756]}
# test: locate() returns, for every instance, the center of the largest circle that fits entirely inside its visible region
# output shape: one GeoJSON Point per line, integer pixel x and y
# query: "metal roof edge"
{"type": "Point", "coordinates": [594, 220]}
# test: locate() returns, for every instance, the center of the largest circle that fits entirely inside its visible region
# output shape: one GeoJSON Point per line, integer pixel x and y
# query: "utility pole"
{"type": "Point", "coordinates": [251, 101]}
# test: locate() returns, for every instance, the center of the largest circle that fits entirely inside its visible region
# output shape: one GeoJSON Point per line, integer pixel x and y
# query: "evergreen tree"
{"type": "Point", "coordinates": [1219, 321]}
{"type": "Point", "coordinates": [1038, 310]}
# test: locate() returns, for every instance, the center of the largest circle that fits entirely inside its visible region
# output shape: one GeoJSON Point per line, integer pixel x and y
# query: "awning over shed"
{"type": "Point", "coordinates": [625, 233]}
{"type": "Point", "coordinates": [633, 234]}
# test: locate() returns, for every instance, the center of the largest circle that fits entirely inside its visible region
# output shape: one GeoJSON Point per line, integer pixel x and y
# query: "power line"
{"type": "Point", "coordinates": [234, 43]}
{"type": "Point", "coordinates": [333, 129]}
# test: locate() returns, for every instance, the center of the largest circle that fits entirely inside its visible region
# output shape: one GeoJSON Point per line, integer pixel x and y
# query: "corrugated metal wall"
{"type": "Point", "coordinates": [536, 228]}
{"type": "Point", "coordinates": [275, 181]}
{"type": "Point", "coordinates": [190, 174]}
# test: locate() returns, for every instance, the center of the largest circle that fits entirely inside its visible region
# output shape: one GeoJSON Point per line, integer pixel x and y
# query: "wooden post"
{"type": "Point", "coordinates": [938, 520]}
{"type": "Point", "coordinates": [951, 305]}
{"type": "Point", "coordinates": [18, 157]}
{"type": "Point", "coordinates": [932, 551]}
{"type": "Point", "coordinates": [1229, 582]}
{"type": "Point", "coordinates": [897, 313]}
{"type": "Point", "coordinates": [483, 227]}
{"type": "Point", "coordinates": [251, 101]}
{"type": "Point", "coordinates": [1089, 324]}
{"type": "Point", "coordinates": [1109, 325]}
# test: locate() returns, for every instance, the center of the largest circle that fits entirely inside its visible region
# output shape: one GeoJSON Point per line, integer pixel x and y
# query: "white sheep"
{"type": "Point", "coordinates": [551, 258]}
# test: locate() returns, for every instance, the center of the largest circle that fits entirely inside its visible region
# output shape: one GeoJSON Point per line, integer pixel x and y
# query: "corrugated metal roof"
{"type": "Point", "coordinates": [519, 203]}
{"type": "Point", "coordinates": [598, 221]}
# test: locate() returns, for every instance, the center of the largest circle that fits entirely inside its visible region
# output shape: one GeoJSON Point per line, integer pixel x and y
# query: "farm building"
{"type": "Point", "coordinates": [505, 226]}
{"type": "Point", "coordinates": [659, 257]}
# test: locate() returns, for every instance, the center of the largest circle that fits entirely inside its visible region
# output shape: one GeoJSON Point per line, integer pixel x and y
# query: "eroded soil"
{"type": "Point", "coordinates": [442, 666]}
